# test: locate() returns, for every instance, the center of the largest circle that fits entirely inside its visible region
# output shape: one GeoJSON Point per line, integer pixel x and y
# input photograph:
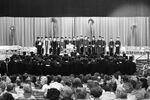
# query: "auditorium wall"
{"type": "Point", "coordinates": [133, 31]}
{"type": "Point", "coordinates": [72, 8]}
{"type": "Point", "coordinates": [131, 10]}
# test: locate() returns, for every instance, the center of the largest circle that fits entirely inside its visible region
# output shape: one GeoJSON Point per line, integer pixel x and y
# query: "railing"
{"type": "Point", "coordinates": [140, 57]}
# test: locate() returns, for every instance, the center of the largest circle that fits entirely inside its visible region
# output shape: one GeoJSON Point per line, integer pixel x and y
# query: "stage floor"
{"type": "Point", "coordinates": [8, 51]}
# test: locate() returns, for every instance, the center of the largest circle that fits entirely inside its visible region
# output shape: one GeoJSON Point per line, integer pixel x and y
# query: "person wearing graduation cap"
{"type": "Point", "coordinates": [111, 47]}
{"type": "Point", "coordinates": [117, 45]}
{"type": "Point", "coordinates": [38, 45]}
{"type": "Point", "coordinates": [93, 45]}
{"type": "Point", "coordinates": [54, 45]}
{"type": "Point", "coordinates": [103, 46]}
{"type": "Point", "coordinates": [99, 46]}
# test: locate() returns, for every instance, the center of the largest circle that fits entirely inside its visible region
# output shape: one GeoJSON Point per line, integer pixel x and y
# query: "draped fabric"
{"type": "Point", "coordinates": [28, 28]}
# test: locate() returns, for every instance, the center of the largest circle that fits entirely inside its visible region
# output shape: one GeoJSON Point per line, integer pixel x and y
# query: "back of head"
{"type": "Point", "coordinates": [76, 83]}
{"type": "Point", "coordinates": [10, 87]}
{"type": "Point", "coordinates": [2, 87]}
{"type": "Point", "coordinates": [128, 87]}
{"type": "Point", "coordinates": [144, 83]}
{"type": "Point", "coordinates": [67, 92]}
{"type": "Point", "coordinates": [7, 96]}
{"type": "Point", "coordinates": [53, 94]}
{"type": "Point", "coordinates": [27, 88]}
{"type": "Point", "coordinates": [57, 79]}
{"type": "Point", "coordinates": [81, 93]}
{"type": "Point", "coordinates": [96, 92]}
{"type": "Point", "coordinates": [121, 93]}
{"type": "Point", "coordinates": [111, 87]}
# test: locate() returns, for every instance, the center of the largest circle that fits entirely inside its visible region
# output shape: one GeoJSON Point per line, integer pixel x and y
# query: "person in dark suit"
{"type": "Point", "coordinates": [73, 41]}
{"type": "Point", "coordinates": [58, 45]}
{"type": "Point", "coordinates": [78, 44]}
{"type": "Point", "coordinates": [66, 41]}
{"type": "Point", "coordinates": [99, 46]}
{"type": "Point", "coordinates": [81, 45]}
{"type": "Point", "coordinates": [103, 46]}
{"type": "Point", "coordinates": [38, 45]}
{"type": "Point", "coordinates": [50, 47]}
{"type": "Point", "coordinates": [4, 68]}
{"type": "Point", "coordinates": [117, 45]}
{"type": "Point", "coordinates": [54, 45]}
{"type": "Point", "coordinates": [89, 46]}
{"type": "Point", "coordinates": [111, 47]}
{"type": "Point", "coordinates": [85, 43]}
{"type": "Point", "coordinates": [42, 40]}
{"type": "Point", "coordinates": [93, 45]}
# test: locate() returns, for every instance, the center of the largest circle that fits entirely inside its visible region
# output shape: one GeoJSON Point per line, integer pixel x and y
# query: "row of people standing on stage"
{"type": "Point", "coordinates": [83, 45]}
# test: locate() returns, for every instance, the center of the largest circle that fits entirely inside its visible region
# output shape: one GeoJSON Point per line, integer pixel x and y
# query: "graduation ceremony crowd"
{"type": "Point", "coordinates": [84, 57]}
{"type": "Point", "coordinates": [86, 72]}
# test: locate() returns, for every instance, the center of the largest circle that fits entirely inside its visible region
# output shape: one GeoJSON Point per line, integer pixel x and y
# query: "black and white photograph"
{"type": "Point", "coordinates": [74, 50]}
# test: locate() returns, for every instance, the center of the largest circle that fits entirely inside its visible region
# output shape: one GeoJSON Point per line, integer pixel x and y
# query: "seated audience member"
{"type": "Point", "coordinates": [44, 84]}
{"type": "Point", "coordinates": [38, 84]}
{"type": "Point", "coordinates": [96, 92]}
{"type": "Point", "coordinates": [121, 94]}
{"type": "Point", "coordinates": [2, 88]}
{"type": "Point", "coordinates": [18, 87]}
{"type": "Point", "coordinates": [147, 95]}
{"type": "Point", "coordinates": [148, 89]}
{"type": "Point", "coordinates": [91, 84]}
{"type": "Point", "coordinates": [27, 93]}
{"type": "Point", "coordinates": [67, 93]}
{"type": "Point", "coordinates": [7, 96]}
{"type": "Point", "coordinates": [144, 83]}
{"type": "Point", "coordinates": [129, 88]}
{"type": "Point", "coordinates": [53, 94]}
{"type": "Point", "coordinates": [81, 94]}
{"type": "Point", "coordinates": [10, 89]}
{"type": "Point", "coordinates": [56, 84]}
{"type": "Point", "coordinates": [138, 91]}
{"type": "Point", "coordinates": [77, 83]}
{"type": "Point", "coordinates": [109, 88]}
{"type": "Point", "coordinates": [29, 81]}
{"type": "Point", "coordinates": [5, 79]}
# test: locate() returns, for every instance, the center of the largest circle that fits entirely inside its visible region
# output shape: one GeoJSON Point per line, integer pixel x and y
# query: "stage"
{"type": "Point", "coordinates": [8, 51]}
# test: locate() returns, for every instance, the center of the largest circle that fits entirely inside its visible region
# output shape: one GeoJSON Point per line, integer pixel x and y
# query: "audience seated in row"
{"type": "Point", "coordinates": [75, 87]}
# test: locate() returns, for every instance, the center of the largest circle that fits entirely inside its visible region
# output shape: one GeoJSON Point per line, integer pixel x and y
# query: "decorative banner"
{"type": "Point", "coordinates": [12, 36]}
{"type": "Point", "coordinates": [91, 22]}
{"type": "Point", "coordinates": [54, 27]}
{"type": "Point", "coordinates": [133, 33]}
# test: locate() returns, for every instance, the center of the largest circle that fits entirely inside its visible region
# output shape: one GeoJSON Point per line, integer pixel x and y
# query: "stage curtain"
{"type": "Point", "coordinates": [28, 28]}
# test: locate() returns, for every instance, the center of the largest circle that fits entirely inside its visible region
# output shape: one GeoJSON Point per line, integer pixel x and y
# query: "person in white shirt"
{"type": "Point", "coordinates": [46, 46]}
{"type": "Point", "coordinates": [45, 86]}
